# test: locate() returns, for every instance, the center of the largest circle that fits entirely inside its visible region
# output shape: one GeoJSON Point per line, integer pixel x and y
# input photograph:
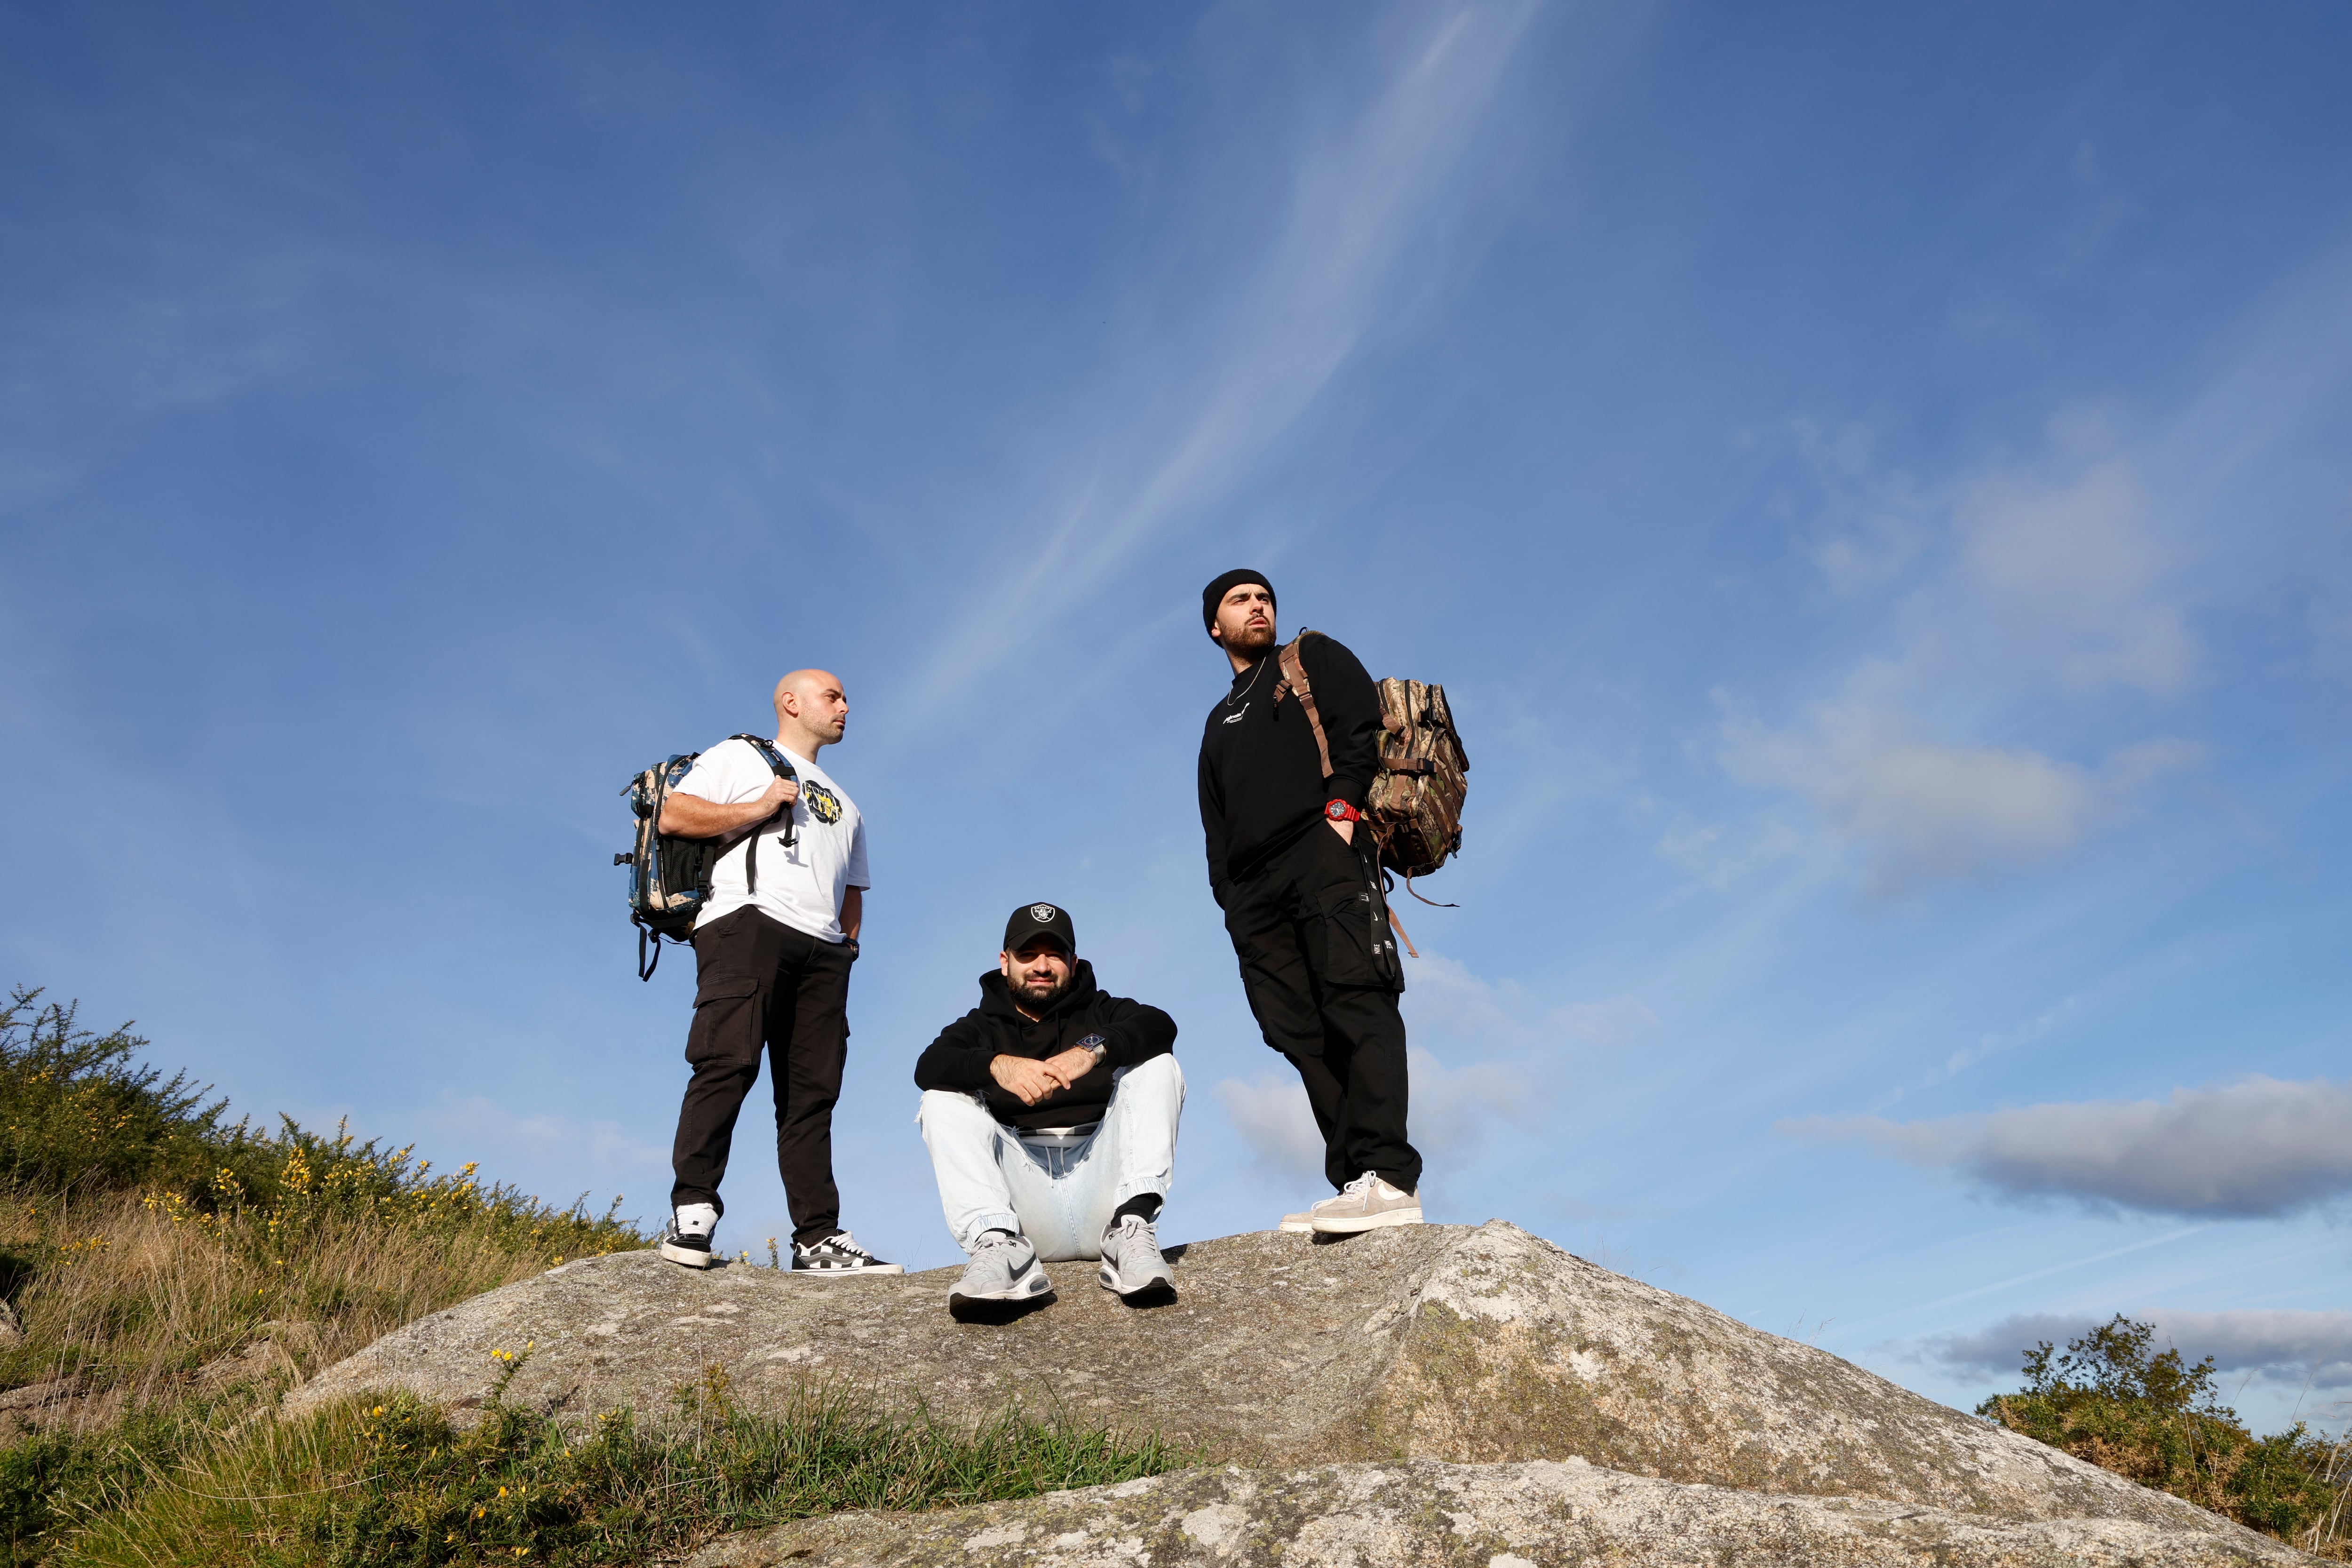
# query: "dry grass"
{"type": "Point", "coordinates": [144, 1298]}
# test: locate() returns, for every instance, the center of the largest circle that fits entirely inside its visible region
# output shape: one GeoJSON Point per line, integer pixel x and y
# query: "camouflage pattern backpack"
{"type": "Point", "coordinates": [1415, 805]}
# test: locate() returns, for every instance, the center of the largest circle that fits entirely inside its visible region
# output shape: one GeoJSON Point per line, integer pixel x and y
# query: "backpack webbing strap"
{"type": "Point", "coordinates": [783, 770]}
{"type": "Point", "coordinates": [1294, 679]}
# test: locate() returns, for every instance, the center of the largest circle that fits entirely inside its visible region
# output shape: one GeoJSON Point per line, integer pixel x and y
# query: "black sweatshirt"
{"type": "Point", "coordinates": [959, 1058]}
{"type": "Point", "coordinates": [1262, 781]}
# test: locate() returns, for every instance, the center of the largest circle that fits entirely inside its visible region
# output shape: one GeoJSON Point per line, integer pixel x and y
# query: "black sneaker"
{"type": "Point", "coordinates": [838, 1254]}
{"type": "Point", "coordinates": [683, 1247]}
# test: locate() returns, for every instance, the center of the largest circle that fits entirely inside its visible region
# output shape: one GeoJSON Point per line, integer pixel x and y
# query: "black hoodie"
{"type": "Point", "coordinates": [959, 1058]}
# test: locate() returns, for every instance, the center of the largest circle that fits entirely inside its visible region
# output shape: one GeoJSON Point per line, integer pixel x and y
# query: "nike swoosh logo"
{"type": "Point", "coordinates": [1237, 717]}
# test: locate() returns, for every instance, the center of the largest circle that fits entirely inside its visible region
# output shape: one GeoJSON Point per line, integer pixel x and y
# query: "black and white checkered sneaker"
{"type": "Point", "coordinates": [838, 1254]}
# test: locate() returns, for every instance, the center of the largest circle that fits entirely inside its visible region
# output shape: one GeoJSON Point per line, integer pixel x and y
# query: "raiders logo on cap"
{"type": "Point", "coordinates": [1031, 922]}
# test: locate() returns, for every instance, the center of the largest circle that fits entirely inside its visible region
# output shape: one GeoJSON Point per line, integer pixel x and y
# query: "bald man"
{"type": "Point", "coordinates": [772, 951]}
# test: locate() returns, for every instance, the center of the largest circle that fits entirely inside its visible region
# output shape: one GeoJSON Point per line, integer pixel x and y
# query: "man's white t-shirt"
{"type": "Point", "coordinates": [801, 886]}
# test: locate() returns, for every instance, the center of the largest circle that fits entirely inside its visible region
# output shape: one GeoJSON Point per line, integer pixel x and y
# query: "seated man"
{"type": "Point", "coordinates": [1050, 1112]}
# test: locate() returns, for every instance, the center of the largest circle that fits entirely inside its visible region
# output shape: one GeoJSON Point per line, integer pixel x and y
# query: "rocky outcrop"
{"type": "Point", "coordinates": [1483, 1348]}
{"type": "Point", "coordinates": [1424, 1514]}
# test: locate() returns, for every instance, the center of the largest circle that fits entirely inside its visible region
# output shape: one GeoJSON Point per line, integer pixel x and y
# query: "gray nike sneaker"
{"type": "Point", "coordinates": [1131, 1264]}
{"type": "Point", "coordinates": [1004, 1267]}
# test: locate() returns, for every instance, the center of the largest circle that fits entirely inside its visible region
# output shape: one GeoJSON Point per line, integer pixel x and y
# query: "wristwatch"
{"type": "Point", "coordinates": [1340, 811]}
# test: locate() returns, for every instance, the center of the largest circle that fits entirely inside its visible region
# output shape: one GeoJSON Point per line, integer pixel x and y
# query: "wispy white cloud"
{"type": "Point", "coordinates": [1358, 196]}
{"type": "Point", "coordinates": [2073, 575]}
{"type": "Point", "coordinates": [2256, 1149]}
{"type": "Point", "coordinates": [1454, 1108]}
{"type": "Point", "coordinates": [588, 1156]}
{"type": "Point", "coordinates": [1922, 810]}
{"type": "Point", "coordinates": [1271, 1113]}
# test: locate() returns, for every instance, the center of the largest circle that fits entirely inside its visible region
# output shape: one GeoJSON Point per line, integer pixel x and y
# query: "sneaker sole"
{"type": "Point", "coordinates": [1353, 1226]}
{"type": "Point", "coordinates": [687, 1256]}
{"type": "Point", "coordinates": [1159, 1287]}
{"type": "Point", "coordinates": [829, 1271]}
{"type": "Point", "coordinates": [1037, 1285]}
{"type": "Point", "coordinates": [1301, 1226]}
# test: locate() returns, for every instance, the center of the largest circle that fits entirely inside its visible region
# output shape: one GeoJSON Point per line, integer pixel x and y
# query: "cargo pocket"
{"type": "Point", "coordinates": [721, 1003]}
{"type": "Point", "coordinates": [1352, 954]}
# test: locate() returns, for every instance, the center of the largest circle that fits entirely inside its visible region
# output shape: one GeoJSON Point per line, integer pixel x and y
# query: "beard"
{"type": "Point", "coordinates": [1252, 641]}
{"type": "Point", "coordinates": [1038, 994]}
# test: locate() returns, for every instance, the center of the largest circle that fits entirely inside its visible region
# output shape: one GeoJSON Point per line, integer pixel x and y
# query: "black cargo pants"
{"type": "Point", "coordinates": [759, 983]}
{"type": "Point", "coordinates": [1320, 966]}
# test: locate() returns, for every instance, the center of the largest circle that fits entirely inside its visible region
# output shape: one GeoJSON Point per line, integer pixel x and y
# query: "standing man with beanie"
{"type": "Point", "coordinates": [772, 951]}
{"type": "Point", "coordinates": [1300, 880]}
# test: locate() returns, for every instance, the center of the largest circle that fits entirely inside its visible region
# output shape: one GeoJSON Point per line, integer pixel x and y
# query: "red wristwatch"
{"type": "Point", "coordinates": [1340, 811]}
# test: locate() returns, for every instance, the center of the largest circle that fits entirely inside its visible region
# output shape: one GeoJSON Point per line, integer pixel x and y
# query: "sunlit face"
{"type": "Point", "coordinates": [1038, 973]}
{"type": "Point", "coordinates": [1245, 619]}
{"type": "Point", "coordinates": [816, 700]}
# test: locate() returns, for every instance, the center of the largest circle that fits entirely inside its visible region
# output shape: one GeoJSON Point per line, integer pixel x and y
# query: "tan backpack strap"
{"type": "Point", "coordinates": [1294, 679]}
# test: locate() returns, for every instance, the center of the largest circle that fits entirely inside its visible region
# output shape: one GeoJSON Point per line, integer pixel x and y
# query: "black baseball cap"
{"type": "Point", "coordinates": [1039, 920]}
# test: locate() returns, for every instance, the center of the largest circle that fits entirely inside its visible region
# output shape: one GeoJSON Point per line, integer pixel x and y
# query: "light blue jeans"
{"type": "Point", "coordinates": [1059, 1192]}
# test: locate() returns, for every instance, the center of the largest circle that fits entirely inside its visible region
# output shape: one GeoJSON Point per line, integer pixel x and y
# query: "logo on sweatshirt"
{"type": "Point", "coordinates": [822, 803]}
{"type": "Point", "coordinates": [1236, 717]}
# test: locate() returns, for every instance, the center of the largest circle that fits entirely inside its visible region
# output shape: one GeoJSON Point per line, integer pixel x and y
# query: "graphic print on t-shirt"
{"type": "Point", "coordinates": [800, 884]}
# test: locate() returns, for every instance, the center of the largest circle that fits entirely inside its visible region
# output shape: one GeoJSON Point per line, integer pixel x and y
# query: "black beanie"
{"type": "Point", "coordinates": [1225, 584]}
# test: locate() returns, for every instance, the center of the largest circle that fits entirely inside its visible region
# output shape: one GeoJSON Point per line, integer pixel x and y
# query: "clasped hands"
{"type": "Point", "coordinates": [1030, 1080]}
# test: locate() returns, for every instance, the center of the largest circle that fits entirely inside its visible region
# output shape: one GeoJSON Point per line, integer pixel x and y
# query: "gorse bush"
{"type": "Point", "coordinates": [78, 1111]}
{"type": "Point", "coordinates": [2156, 1419]}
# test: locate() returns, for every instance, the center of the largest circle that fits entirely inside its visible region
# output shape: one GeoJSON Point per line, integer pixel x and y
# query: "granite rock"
{"type": "Point", "coordinates": [1472, 1345]}
{"type": "Point", "coordinates": [1425, 1513]}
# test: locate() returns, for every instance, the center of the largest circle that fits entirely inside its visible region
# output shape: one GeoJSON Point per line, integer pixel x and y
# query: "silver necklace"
{"type": "Point", "coordinates": [1233, 697]}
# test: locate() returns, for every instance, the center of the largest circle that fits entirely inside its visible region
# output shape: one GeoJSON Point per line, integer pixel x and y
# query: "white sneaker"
{"type": "Point", "coordinates": [1367, 1202]}
{"type": "Point", "coordinates": [1132, 1266]}
{"type": "Point", "coordinates": [1004, 1267]}
{"type": "Point", "coordinates": [686, 1237]}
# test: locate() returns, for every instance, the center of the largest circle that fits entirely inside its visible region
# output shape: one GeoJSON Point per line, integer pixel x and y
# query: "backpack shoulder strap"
{"type": "Point", "coordinates": [774, 758]}
{"type": "Point", "coordinates": [783, 770]}
{"type": "Point", "coordinates": [1294, 679]}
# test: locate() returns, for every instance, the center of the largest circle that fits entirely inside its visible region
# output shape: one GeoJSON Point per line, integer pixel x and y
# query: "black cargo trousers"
{"type": "Point", "coordinates": [761, 983]}
{"type": "Point", "coordinates": [1320, 966]}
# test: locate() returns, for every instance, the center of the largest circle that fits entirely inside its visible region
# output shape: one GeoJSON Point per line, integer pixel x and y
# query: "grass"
{"type": "Point", "coordinates": [169, 1269]}
{"type": "Point", "coordinates": [2156, 1419]}
{"type": "Point", "coordinates": [171, 1272]}
{"type": "Point", "coordinates": [372, 1486]}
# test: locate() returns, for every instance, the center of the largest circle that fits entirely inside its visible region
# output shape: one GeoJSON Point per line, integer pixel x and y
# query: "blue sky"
{"type": "Point", "coordinates": [1873, 482]}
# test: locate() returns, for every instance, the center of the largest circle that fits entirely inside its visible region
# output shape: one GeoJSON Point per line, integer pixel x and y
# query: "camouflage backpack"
{"type": "Point", "coordinates": [1414, 804]}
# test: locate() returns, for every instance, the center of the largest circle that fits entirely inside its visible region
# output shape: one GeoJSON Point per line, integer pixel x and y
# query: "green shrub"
{"type": "Point", "coordinates": [78, 1112]}
{"type": "Point", "coordinates": [2156, 1419]}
